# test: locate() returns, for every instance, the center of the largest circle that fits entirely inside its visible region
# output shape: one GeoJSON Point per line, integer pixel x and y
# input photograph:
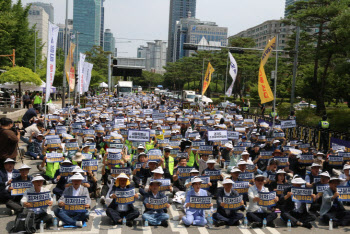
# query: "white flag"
{"type": "Point", "coordinates": [87, 75]}
{"type": "Point", "coordinates": [81, 73]}
{"type": "Point", "coordinates": [233, 73]}
{"type": "Point", "coordinates": [51, 58]}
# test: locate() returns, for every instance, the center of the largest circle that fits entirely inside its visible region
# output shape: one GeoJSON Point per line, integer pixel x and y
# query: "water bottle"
{"type": "Point", "coordinates": [146, 223]}
{"type": "Point", "coordinates": [264, 223]}
{"type": "Point", "coordinates": [55, 224]}
{"type": "Point", "coordinates": [245, 222]}
{"type": "Point", "coordinates": [210, 221]}
{"type": "Point", "coordinates": [330, 224]}
{"type": "Point", "coordinates": [289, 225]}
{"type": "Point", "coordinates": [41, 226]}
{"type": "Point", "coordinates": [124, 221]}
{"type": "Point", "coordinates": [54, 201]}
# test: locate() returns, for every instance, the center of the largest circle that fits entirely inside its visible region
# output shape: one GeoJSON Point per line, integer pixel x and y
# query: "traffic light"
{"type": "Point", "coordinates": [237, 51]}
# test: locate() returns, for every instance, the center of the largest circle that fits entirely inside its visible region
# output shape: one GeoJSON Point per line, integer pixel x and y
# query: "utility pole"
{"type": "Point", "coordinates": [34, 51]}
{"type": "Point", "coordinates": [109, 73]}
{"type": "Point", "coordinates": [295, 67]}
{"type": "Point", "coordinates": [275, 81]}
{"type": "Point", "coordinates": [13, 55]}
{"type": "Point", "coordinates": [65, 58]}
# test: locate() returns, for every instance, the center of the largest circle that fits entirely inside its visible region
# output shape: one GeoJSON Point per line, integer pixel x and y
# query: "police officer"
{"type": "Point", "coordinates": [324, 127]}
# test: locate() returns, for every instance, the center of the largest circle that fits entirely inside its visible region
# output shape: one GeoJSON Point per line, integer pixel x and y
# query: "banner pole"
{"type": "Point", "coordinates": [202, 84]}
{"type": "Point", "coordinates": [226, 81]}
{"type": "Point", "coordinates": [275, 82]}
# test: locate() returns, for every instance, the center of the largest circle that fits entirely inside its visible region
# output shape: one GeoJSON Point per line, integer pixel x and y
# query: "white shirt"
{"type": "Point", "coordinates": [76, 192]}
{"type": "Point", "coordinates": [253, 192]}
{"type": "Point", "coordinates": [227, 194]}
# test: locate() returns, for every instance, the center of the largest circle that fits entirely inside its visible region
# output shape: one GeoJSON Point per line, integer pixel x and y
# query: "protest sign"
{"type": "Point", "coordinates": [213, 174]}
{"type": "Point", "coordinates": [205, 183]}
{"type": "Point", "coordinates": [124, 196]}
{"type": "Point", "coordinates": [302, 195]}
{"type": "Point", "coordinates": [138, 135]}
{"type": "Point", "coordinates": [241, 187]}
{"type": "Point", "coordinates": [66, 170]}
{"type": "Point", "coordinates": [320, 188]}
{"type": "Point", "coordinates": [166, 184]}
{"type": "Point", "coordinates": [54, 157]}
{"type": "Point", "coordinates": [184, 172]}
{"type": "Point", "coordinates": [335, 161]}
{"type": "Point", "coordinates": [115, 172]}
{"type": "Point", "coordinates": [158, 204]}
{"type": "Point", "coordinates": [75, 203]}
{"type": "Point", "coordinates": [114, 158]}
{"type": "Point", "coordinates": [266, 155]}
{"type": "Point", "coordinates": [138, 166]}
{"type": "Point", "coordinates": [246, 176]}
{"type": "Point", "coordinates": [116, 145]}
{"type": "Point", "coordinates": [288, 124]}
{"type": "Point", "coordinates": [206, 149]}
{"type": "Point", "coordinates": [250, 167]}
{"type": "Point", "coordinates": [345, 155]}
{"type": "Point", "coordinates": [200, 202]}
{"type": "Point", "coordinates": [232, 203]}
{"type": "Point", "coordinates": [267, 199]}
{"type": "Point", "coordinates": [344, 193]}
{"type": "Point", "coordinates": [217, 135]}
{"type": "Point", "coordinates": [53, 143]}
{"type": "Point", "coordinates": [181, 155]}
{"type": "Point", "coordinates": [89, 165]}
{"type": "Point", "coordinates": [154, 154]}
{"type": "Point", "coordinates": [306, 159]}
{"type": "Point", "coordinates": [283, 161]}
{"type": "Point", "coordinates": [238, 149]}
{"type": "Point", "coordinates": [197, 144]}
{"type": "Point", "coordinates": [39, 200]}
{"type": "Point", "coordinates": [71, 146]}
{"type": "Point", "coordinates": [19, 187]}
{"type": "Point", "coordinates": [281, 187]}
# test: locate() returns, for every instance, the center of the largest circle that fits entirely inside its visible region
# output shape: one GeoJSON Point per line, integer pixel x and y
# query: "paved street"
{"type": "Point", "coordinates": [102, 224]}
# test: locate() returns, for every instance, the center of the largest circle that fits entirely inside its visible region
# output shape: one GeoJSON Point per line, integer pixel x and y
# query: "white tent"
{"type": "Point", "coordinates": [26, 86]}
{"type": "Point", "coordinates": [103, 85]}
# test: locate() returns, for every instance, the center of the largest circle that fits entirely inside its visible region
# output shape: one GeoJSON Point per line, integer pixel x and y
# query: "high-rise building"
{"type": "Point", "coordinates": [262, 33]}
{"type": "Point", "coordinates": [48, 9]}
{"type": "Point", "coordinates": [192, 30]}
{"type": "Point", "coordinates": [61, 33]}
{"type": "Point", "coordinates": [288, 3]}
{"type": "Point", "coordinates": [154, 55]}
{"type": "Point", "coordinates": [178, 9]}
{"type": "Point", "coordinates": [109, 41]}
{"type": "Point", "coordinates": [87, 22]}
{"type": "Point", "coordinates": [38, 17]}
{"type": "Point", "coordinates": [102, 23]}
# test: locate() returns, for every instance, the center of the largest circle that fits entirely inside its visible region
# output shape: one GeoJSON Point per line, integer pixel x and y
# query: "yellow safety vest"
{"type": "Point", "coordinates": [324, 124]}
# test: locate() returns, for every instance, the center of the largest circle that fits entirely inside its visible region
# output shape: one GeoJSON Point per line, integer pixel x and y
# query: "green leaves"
{"type": "Point", "coordinates": [20, 75]}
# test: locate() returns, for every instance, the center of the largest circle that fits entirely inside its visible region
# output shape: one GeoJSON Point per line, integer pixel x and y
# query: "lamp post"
{"type": "Point", "coordinates": [65, 58]}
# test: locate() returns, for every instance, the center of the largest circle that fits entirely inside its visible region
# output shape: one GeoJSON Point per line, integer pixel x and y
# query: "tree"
{"type": "Point", "coordinates": [20, 75]}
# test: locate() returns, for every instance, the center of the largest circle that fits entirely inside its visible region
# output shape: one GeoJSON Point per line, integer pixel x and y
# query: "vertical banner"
{"type": "Point", "coordinates": [264, 89]}
{"type": "Point", "coordinates": [69, 68]}
{"type": "Point", "coordinates": [87, 75]}
{"type": "Point", "coordinates": [81, 73]}
{"type": "Point", "coordinates": [207, 78]}
{"type": "Point", "coordinates": [233, 73]}
{"type": "Point", "coordinates": [51, 58]}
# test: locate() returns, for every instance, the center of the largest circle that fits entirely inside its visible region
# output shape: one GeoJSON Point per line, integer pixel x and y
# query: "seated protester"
{"type": "Point", "coordinates": [313, 177]}
{"type": "Point", "coordinates": [194, 217]}
{"type": "Point", "coordinates": [155, 217]}
{"type": "Point", "coordinates": [117, 211]}
{"type": "Point", "coordinates": [7, 175]}
{"type": "Point", "coordinates": [60, 180]}
{"type": "Point", "coordinates": [137, 175]}
{"type": "Point", "coordinates": [78, 159]}
{"type": "Point", "coordinates": [192, 160]}
{"type": "Point", "coordinates": [135, 152]}
{"type": "Point", "coordinates": [280, 179]}
{"type": "Point", "coordinates": [35, 147]}
{"type": "Point", "coordinates": [158, 174]}
{"type": "Point", "coordinates": [261, 164]}
{"type": "Point", "coordinates": [226, 216]}
{"type": "Point", "coordinates": [296, 212]}
{"type": "Point", "coordinates": [40, 213]}
{"type": "Point", "coordinates": [276, 145]}
{"type": "Point", "coordinates": [179, 183]}
{"type": "Point", "coordinates": [331, 207]}
{"type": "Point", "coordinates": [345, 175]}
{"type": "Point", "coordinates": [245, 157]}
{"type": "Point", "coordinates": [73, 218]}
{"type": "Point", "coordinates": [147, 172]}
{"type": "Point", "coordinates": [255, 213]}
{"type": "Point", "coordinates": [295, 166]}
{"type": "Point", "coordinates": [226, 153]}
{"type": "Point", "coordinates": [169, 162]}
{"type": "Point", "coordinates": [316, 205]}
{"type": "Point", "coordinates": [202, 161]}
{"type": "Point", "coordinates": [214, 182]}
{"type": "Point", "coordinates": [85, 149]}
{"type": "Point", "coordinates": [51, 168]}
{"type": "Point", "coordinates": [23, 171]}
{"type": "Point", "coordinates": [271, 171]}
{"type": "Point", "coordinates": [193, 173]}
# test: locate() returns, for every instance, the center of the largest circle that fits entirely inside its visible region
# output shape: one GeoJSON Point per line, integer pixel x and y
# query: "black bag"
{"type": "Point", "coordinates": [25, 222]}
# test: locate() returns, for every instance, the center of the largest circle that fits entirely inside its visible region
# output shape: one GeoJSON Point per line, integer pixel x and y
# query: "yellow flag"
{"type": "Point", "coordinates": [264, 89]}
{"type": "Point", "coordinates": [207, 78]}
{"type": "Point", "coordinates": [69, 68]}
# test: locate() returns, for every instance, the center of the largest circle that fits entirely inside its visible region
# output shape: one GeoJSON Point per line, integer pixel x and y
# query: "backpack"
{"type": "Point", "coordinates": [24, 223]}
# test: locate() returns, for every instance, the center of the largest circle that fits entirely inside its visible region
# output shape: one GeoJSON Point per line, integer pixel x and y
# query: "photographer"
{"type": "Point", "coordinates": [9, 137]}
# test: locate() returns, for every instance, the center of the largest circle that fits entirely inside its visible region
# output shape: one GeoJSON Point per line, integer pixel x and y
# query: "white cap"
{"type": "Point", "coordinates": [77, 176]}
{"type": "Point", "coordinates": [315, 165]}
{"type": "Point", "coordinates": [38, 177]}
{"type": "Point", "coordinates": [227, 181]}
{"type": "Point", "coordinates": [228, 145]}
{"type": "Point", "coordinates": [336, 178]}
{"type": "Point", "coordinates": [259, 176]}
{"type": "Point", "coordinates": [281, 171]}
{"type": "Point", "coordinates": [9, 160]}
{"type": "Point", "coordinates": [168, 147]}
{"type": "Point", "coordinates": [77, 169]}
{"type": "Point", "coordinates": [298, 181]}
{"type": "Point", "coordinates": [141, 147]}
{"type": "Point", "coordinates": [67, 161]}
{"type": "Point", "coordinates": [196, 180]}
{"type": "Point", "coordinates": [242, 162]}
{"type": "Point", "coordinates": [325, 173]}
{"type": "Point", "coordinates": [320, 153]}
{"type": "Point", "coordinates": [346, 167]}
{"type": "Point", "coordinates": [158, 170]}
{"type": "Point", "coordinates": [245, 153]}
{"type": "Point", "coordinates": [155, 181]}
{"type": "Point", "coordinates": [24, 166]}
{"type": "Point", "coordinates": [276, 141]}
{"type": "Point", "coordinates": [211, 161]}
{"type": "Point", "coordinates": [194, 170]}
{"type": "Point", "coordinates": [122, 176]}
{"type": "Point", "coordinates": [235, 169]}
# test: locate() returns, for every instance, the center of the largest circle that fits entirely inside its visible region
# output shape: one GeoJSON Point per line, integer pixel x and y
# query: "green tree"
{"type": "Point", "coordinates": [99, 59]}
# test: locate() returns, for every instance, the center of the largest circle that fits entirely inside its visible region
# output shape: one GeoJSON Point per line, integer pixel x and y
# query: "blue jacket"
{"type": "Point", "coordinates": [158, 196]}
{"type": "Point", "coordinates": [327, 202]}
{"type": "Point", "coordinates": [190, 193]}
{"type": "Point", "coordinates": [3, 178]}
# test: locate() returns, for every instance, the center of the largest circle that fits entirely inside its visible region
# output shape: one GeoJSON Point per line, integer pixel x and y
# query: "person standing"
{"type": "Point", "coordinates": [9, 141]}
{"type": "Point", "coordinates": [324, 128]}
{"type": "Point", "coordinates": [26, 100]}
{"type": "Point", "coordinates": [37, 100]}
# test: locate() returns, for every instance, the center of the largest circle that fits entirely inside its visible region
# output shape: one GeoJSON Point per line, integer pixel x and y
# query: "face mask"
{"type": "Point", "coordinates": [320, 158]}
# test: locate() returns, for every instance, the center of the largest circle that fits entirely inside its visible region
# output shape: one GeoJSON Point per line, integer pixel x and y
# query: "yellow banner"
{"type": "Point", "coordinates": [207, 78]}
{"type": "Point", "coordinates": [69, 68]}
{"type": "Point", "coordinates": [264, 89]}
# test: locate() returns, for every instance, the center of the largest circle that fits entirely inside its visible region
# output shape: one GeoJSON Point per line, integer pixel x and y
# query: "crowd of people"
{"type": "Point", "coordinates": [141, 147]}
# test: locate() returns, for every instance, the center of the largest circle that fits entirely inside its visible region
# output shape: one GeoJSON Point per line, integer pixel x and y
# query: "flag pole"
{"type": "Point", "coordinates": [226, 80]}
{"type": "Point", "coordinates": [275, 82]}
{"type": "Point", "coordinates": [202, 83]}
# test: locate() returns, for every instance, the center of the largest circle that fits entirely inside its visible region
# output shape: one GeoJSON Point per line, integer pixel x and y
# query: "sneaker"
{"type": "Point", "coordinates": [164, 223]}
{"type": "Point", "coordinates": [40, 168]}
{"type": "Point", "coordinates": [129, 223]}
{"type": "Point", "coordinates": [256, 225]}
{"type": "Point", "coordinates": [271, 224]}
{"type": "Point", "coordinates": [79, 224]}
{"type": "Point", "coordinates": [60, 223]}
{"type": "Point", "coordinates": [103, 200]}
{"type": "Point", "coordinates": [307, 225]}
{"type": "Point", "coordinates": [12, 212]}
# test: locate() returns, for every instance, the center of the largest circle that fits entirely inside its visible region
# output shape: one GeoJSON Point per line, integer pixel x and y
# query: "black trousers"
{"type": "Point", "coordinates": [5, 197]}
{"type": "Point", "coordinates": [259, 217]}
{"type": "Point", "coordinates": [117, 215]}
{"type": "Point", "coordinates": [137, 181]}
{"type": "Point", "coordinates": [45, 217]}
{"type": "Point", "coordinates": [104, 190]}
{"type": "Point", "coordinates": [341, 217]}
{"type": "Point", "coordinates": [294, 217]}
{"type": "Point", "coordinates": [228, 219]}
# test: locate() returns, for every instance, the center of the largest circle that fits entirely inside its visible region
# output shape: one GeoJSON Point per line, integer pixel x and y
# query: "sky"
{"type": "Point", "coordinates": [148, 19]}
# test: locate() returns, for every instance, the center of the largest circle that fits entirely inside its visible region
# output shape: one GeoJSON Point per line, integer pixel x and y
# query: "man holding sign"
{"type": "Point", "coordinates": [226, 215]}
{"type": "Point", "coordinates": [156, 204]}
{"type": "Point", "coordinates": [37, 199]}
{"type": "Point", "coordinates": [71, 212]}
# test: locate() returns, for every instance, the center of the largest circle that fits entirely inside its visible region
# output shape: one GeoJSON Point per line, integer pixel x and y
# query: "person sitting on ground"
{"type": "Point", "coordinates": [36, 146]}
{"type": "Point", "coordinates": [73, 218]}
{"type": "Point", "coordinates": [179, 183]}
{"type": "Point", "coordinates": [23, 171]}
{"type": "Point", "coordinates": [137, 175]}
{"type": "Point", "coordinates": [116, 211]}
{"type": "Point", "coordinates": [40, 213]}
{"type": "Point", "coordinates": [227, 216]}
{"type": "Point", "coordinates": [61, 181]}
{"type": "Point", "coordinates": [155, 217]}
{"type": "Point", "coordinates": [213, 179]}
{"type": "Point", "coordinates": [324, 182]}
